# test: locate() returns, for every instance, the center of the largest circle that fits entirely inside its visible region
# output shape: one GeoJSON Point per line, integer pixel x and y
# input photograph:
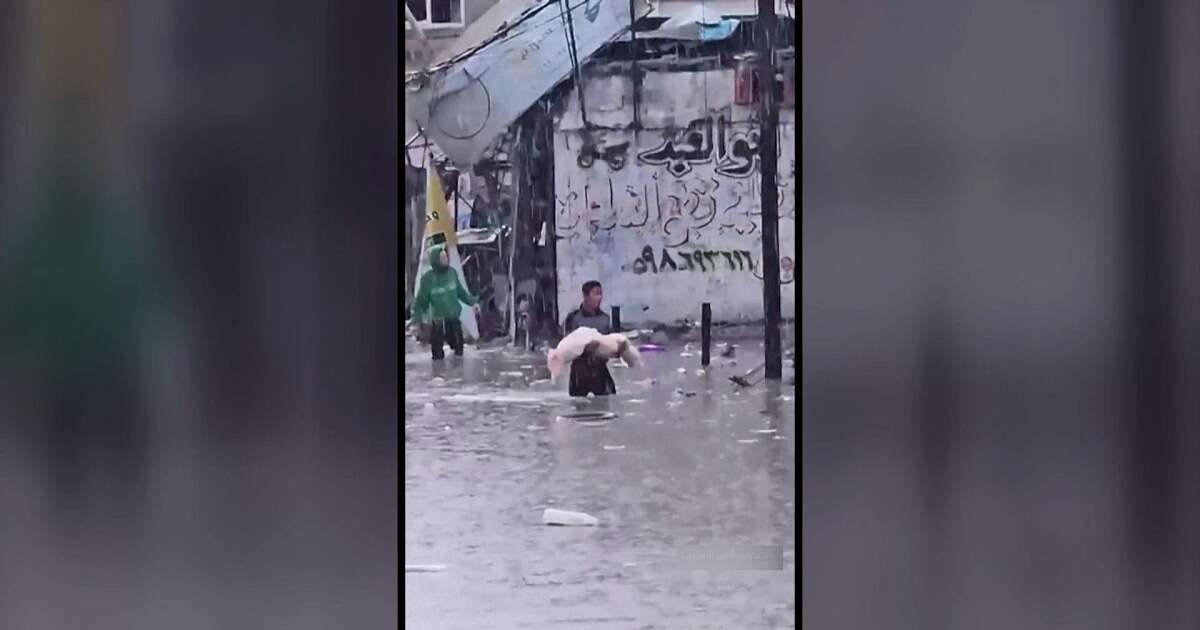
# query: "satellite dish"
{"type": "Point", "coordinates": [463, 113]}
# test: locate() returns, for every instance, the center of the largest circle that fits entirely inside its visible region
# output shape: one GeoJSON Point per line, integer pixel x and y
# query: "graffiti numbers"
{"type": "Point", "coordinates": [707, 261]}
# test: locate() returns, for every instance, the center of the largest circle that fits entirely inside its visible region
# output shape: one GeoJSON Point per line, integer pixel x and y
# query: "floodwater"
{"type": "Point", "coordinates": [693, 483]}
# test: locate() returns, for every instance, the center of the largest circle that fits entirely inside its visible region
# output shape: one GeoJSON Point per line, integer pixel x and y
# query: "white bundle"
{"type": "Point", "coordinates": [607, 347]}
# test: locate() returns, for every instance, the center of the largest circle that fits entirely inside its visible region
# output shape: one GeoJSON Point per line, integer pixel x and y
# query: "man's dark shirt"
{"type": "Point", "coordinates": [589, 373]}
{"type": "Point", "coordinates": [578, 318]}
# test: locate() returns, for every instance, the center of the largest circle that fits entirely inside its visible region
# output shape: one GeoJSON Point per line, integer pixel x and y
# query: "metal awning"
{"type": "Point", "coordinates": [478, 236]}
{"type": "Point", "coordinates": [467, 103]}
{"type": "Point", "coordinates": [698, 24]}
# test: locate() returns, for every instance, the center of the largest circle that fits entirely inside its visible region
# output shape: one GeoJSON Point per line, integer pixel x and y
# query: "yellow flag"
{"type": "Point", "coordinates": [438, 218]}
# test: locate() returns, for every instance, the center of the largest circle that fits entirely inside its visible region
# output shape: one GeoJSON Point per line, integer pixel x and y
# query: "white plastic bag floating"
{"type": "Point", "coordinates": [424, 568]}
{"type": "Point", "coordinates": [568, 518]}
{"type": "Point", "coordinates": [608, 347]}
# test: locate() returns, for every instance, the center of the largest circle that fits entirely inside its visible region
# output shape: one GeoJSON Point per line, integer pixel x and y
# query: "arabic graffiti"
{"type": "Point", "coordinates": [787, 271]}
{"type": "Point", "coordinates": [678, 152]}
{"type": "Point", "coordinates": [591, 8]}
{"type": "Point", "coordinates": [707, 261]}
{"type": "Point", "coordinates": [677, 211]}
{"type": "Point", "coordinates": [787, 190]}
{"type": "Point", "coordinates": [734, 152]}
{"type": "Point", "coordinates": [681, 217]}
{"type": "Point", "coordinates": [613, 155]}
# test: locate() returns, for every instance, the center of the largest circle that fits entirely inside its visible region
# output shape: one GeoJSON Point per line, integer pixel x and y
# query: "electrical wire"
{"type": "Point", "coordinates": [512, 31]}
{"type": "Point", "coordinates": [565, 12]}
{"type": "Point", "coordinates": [704, 20]}
{"type": "Point", "coordinates": [574, 54]}
{"type": "Point", "coordinates": [569, 31]}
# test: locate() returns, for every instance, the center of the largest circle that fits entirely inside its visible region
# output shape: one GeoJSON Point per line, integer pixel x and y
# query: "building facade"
{"type": "Point", "coordinates": [667, 214]}
{"type": "Point", "coordinates": [640, 169]}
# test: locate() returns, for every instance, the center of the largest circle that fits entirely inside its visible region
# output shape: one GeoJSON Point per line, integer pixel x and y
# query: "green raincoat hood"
{"type": "Point", "coordinates": [435, 257]}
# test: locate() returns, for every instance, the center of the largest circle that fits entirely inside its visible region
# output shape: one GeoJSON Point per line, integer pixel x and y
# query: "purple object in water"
{"type": "Point", "coordinates": [650, 347]}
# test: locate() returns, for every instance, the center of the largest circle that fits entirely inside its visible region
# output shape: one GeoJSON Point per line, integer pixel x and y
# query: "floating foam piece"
{"type": "Point", "coordinates": [424, 568]}
{"type": "Point", "coordinates": [568, 518]}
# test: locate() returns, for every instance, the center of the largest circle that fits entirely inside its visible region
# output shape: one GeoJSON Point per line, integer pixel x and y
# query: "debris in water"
{"type": "Point", "coordinates": [567, 518]}
{"type": "Point", "coordinates": [588, 416]}
{"type": "Point", "coordinates": [686, 354]}
{"type": "Point", "coordinates": [682, 370]}
{"type": "Point", "coordinates": [534, 427]}
{"type": "Point", "coordinates": [747, 441]}
{"type": "Point", "coordinates": [701, 372]}
{"type": "Point", "coordinates": [614, 447]}
{"type": "Point", "coordinates": [636, 400]}
{"type": "Point", "coordinates": [495, 398]}
{"type": "Point", "coordinates": [765, 431]}
{"type": "Point", "coordinates": [424, 568]}
{"type": "Point", "coordinates": [685, 394]}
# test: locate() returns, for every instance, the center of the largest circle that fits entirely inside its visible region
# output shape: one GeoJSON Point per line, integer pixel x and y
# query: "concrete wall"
{"type": "Point", "coordinates": [677, 223]}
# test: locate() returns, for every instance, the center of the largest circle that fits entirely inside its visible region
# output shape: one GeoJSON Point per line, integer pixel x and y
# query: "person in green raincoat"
{"type": "Point", "coordinates": [437, 302]}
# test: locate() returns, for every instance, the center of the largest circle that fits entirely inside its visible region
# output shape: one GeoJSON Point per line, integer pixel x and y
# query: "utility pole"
{"type": "Point", "coordinates": [768, 152]}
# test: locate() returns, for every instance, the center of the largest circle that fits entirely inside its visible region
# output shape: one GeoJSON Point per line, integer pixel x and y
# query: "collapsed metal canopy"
{"type": "Point", "coordinates": [466, 103]}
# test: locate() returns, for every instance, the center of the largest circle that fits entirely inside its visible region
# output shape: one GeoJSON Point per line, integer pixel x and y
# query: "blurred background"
{"type": "Point", "coordinates": [198, 314]}
{"type": "Point", "coordinates": [1001, 322]}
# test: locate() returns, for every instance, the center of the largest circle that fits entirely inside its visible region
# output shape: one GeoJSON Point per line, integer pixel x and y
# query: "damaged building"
{"type": "Point", "coordinates": [625, 155]}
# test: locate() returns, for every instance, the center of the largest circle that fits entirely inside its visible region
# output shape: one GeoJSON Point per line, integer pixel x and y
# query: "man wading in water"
{"type": "Point", "coordinates": [589, 373]}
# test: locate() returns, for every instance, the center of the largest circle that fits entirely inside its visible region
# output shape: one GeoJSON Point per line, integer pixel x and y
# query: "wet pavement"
{"type": "Point", "coordinates": [693, 483]}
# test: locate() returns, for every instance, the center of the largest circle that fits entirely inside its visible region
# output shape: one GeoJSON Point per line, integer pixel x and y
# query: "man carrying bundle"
{"type": "Point", "coordinates": [589, 372]}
